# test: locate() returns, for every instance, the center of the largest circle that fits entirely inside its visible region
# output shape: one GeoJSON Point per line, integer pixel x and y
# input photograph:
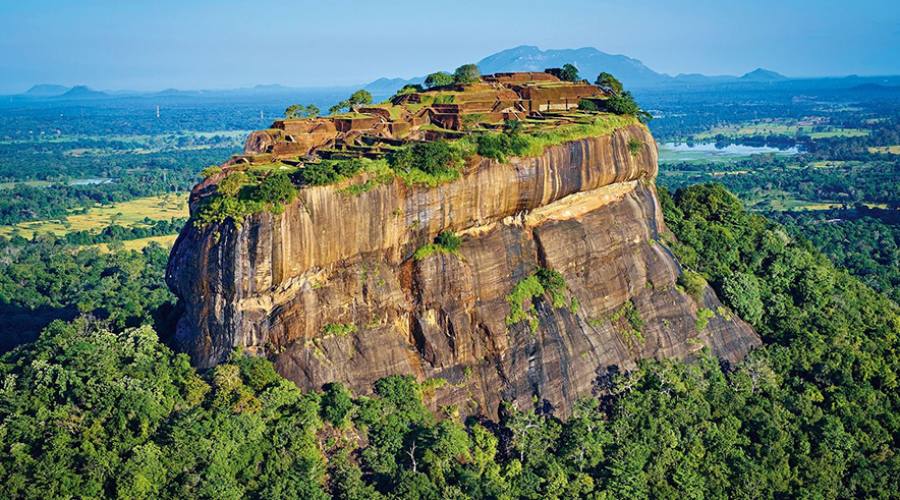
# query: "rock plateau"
{"type": "Point", "coordinates": [272, 284]}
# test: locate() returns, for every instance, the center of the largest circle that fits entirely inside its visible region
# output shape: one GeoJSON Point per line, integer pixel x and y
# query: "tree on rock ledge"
{"type": "Point", "coordinates": [608, 83]}
{"type": "Point", "coordinates": [467, 73]}
{"type": "Point", "coordinates": [299, 111]}
{"type": "Point", "coordinates": [439, 79]}
{"type": "Point", "coordinates": [569, 73]}
{"type": "Point", "coordinates": [358, 98]}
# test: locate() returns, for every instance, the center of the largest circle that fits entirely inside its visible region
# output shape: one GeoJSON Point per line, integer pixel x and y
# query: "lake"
{"type": "Point", "coordinates": [671, 151]}
{"type": "Point", "coordinates": [88, 182]}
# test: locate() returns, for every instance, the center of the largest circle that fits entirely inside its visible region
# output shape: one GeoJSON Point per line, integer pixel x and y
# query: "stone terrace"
{"type": "Point", "coordinates": [437, 113]}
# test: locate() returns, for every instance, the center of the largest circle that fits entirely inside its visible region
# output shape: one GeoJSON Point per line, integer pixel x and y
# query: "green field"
{"type": "Point", "coordinates": [779, 128]}
{"type": "Point", "coordinates": [166, 241]}
{"type": "Point", "coordinates": [127, 213]}
{"type": "Point", "coordinates": [780, 201]}
{"type": "Point", "coordinates": [11, 185]}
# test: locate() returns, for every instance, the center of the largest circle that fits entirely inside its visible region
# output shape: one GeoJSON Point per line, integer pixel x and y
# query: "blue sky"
{"type": "Point", "coordinates": [147, 45]}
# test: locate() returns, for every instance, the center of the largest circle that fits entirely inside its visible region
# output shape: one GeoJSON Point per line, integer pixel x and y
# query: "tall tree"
{"type": "Point", "coordinates": [569, 73]}
{"type": "Point", "coordinates": [292, 111]}
{"type": "Point", "coordinates": [360, 98]}
{"type": "Point", "coordinates": [467, 73]}
{"type": "Point", "coordinates": [608, 83]}
{"type": "Point", "coordinates": [439, 79]}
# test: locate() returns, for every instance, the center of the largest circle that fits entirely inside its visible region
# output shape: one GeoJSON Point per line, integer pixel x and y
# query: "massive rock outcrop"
{"type": "Point", "coordinates": [587, 209]}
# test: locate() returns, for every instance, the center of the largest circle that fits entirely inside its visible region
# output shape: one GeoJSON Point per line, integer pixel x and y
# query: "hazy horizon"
{"type": "Point", "coordinates": [229, 44]}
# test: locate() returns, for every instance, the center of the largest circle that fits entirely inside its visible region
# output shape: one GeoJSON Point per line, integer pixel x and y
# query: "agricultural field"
{"type": "Point", "coordinates": [165, 241]}
{"type": "Point", "coordinates": [12, 185]}
{"type": "Point", "coordinates": [129, 213]}
{"type": "Point", "coordinates": [780, 128]}
{"type": "Point", "coordinates": [894, 150]}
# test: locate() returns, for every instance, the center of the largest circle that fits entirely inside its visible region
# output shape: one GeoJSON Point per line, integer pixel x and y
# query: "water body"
{"type": "Point", "coordinates": [671, 151]}
{"type": "Point", "coordinates": [88, 182]}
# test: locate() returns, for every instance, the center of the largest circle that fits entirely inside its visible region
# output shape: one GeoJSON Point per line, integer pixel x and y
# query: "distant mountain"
{"type": "Point", "coordinates": [762, 75]}
{"type": "Point", "coordinates": [46, 90]}
{"type": "Point", "coordinates": [173, 92]}
{"type": "Point", "coordinates": [267, 87]}
{"type": "Point", "coordinates": [272, 88]}
{"type": "Point", "coordinates": [388, 86]}
{"type": "Point", "coordinates": [589, 61]}
{"type": "Point", "coordinates": [699, 79]}
{"type": "Point", "coordinates": [758, 75]}
{"type": "Point", "coordinates": [83, 92]}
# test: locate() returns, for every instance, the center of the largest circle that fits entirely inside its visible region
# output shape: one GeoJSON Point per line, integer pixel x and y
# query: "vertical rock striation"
{"type": "Point", "coordinates": [587, 209]}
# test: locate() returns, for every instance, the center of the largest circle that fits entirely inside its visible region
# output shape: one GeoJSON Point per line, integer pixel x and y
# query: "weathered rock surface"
{"type": "Point", "coordinates": [586, 209]}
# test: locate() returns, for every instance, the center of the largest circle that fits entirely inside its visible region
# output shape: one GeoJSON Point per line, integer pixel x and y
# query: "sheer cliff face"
{"type": "Point", "coordinates": [587, 209]}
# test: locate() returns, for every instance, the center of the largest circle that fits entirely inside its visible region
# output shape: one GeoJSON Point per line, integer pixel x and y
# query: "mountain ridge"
{"type": "Point", "coordinates": [633, 73]}
{"type": "Point", "coordinates": [590, 61]}
{"type": "Point", "coordinates": [82, 92]}
{"type": "Point", "coordinates": [46, 90]}
{"type": "Point", "coordinates": [763, 75]}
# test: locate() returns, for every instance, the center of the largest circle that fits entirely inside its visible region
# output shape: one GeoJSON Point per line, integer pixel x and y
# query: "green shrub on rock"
{"type": "Point", "coordinates": [703, 317]}
{"type": "Point", "coordinates": [586, 105]}
{"type": "Point", "coordinates": [521, 299]}
{"type": "Point", "coordinates": [329, 171]}
{"type": "Point", "coordinates": [445, 242]}
{"type": "Point", "coordinates": [241, 194]}
{"type": "Point", "coordinates": [634, 146]}
{"type": "Point", "coordinates": [624, 104]}
{"type": "Point", "coordinates": [693, 284]}
{"type": "Point", "coordinates": [448, 240]}
{"type": "Point", "coordinates": [501, 145]}
{"type": "Point", "coordinates": [276, 191]}
{"type": "Point", "coordinates": [429, 163]}
{"type": "Point", "coordinates": [210, 171]}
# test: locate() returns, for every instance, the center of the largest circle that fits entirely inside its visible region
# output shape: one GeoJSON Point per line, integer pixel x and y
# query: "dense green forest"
{"type": "Point", "coordinates": [163, 173]}
{"type": "Point", "coordinates": [849, 209]}
{"type": "Point", "coordinates": [98, 406]}
{"type": "Point", "coordinates": [866, 242]}
{"type": "Point", "coordinates": [48, 278]}
{"type": "Point", "coordinates": [762, 178]}
{"type": "Point", "coordinates": [91, 409]}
